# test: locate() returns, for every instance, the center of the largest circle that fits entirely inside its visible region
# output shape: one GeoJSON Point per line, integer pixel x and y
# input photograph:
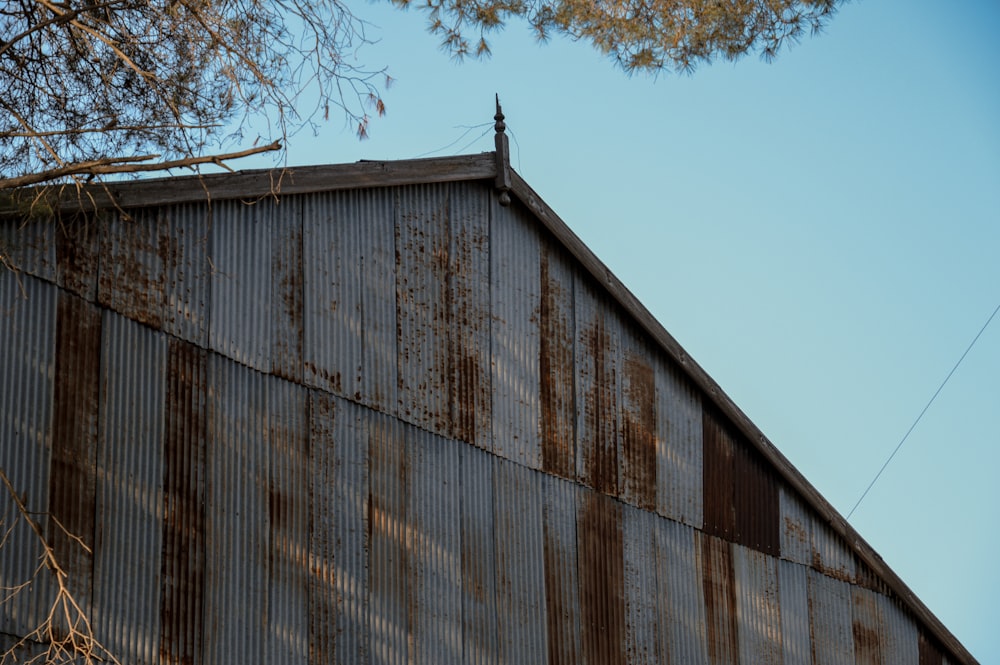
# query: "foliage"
{"type": "Point", "coordinates": [94, 87]}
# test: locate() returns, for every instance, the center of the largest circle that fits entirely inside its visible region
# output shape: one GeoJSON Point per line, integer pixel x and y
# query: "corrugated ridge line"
{"type": "Point", "coordinates": [796, 626]}
{"type": "Point", "coordinates": [287, 291]}
{"type": "Point", "coordinates": [479, 595]}
{"type": "Point", "coordinates": [469, 332]}
{"type": "Point", "coordinates": [679, 446]}
{"type": "Point", "coordinates": [597, 383]}
{"type": "Point", "coordinates": [830, 621]}
{"type": "Point", "coordinates": [131, 278]}
{"type": "Point", "coordinates": [183, 566]}
{"type": "Point", "coordinates": [422, 302]}
{"type": "Point", "coordinates": [288, 513]}
{"type": "Point", "coordinates": [638, 421]}
{"type": "Point", "coordinates": [27, 366]}
{"type": "Point", "coordinates": [185, 237]}
{"type": "Point", "coordinates": [380, 360]}
{"type": "Point", "coordinates": [73, 472]}
{"type": "Point", "coordinates": [435, 562]}
{"type": "Point", "coordinates": [237, 530]}
{"type": "Point", "coordinates": [641, 612]}
{"type": "Point", "coordinates": [867, 627]}
{"type": "Point", "coordinates": [351, 528]}
{"type": "Point", "coordinates": [521, 627]}
{"type": "Point", "coordinates": [515, 336]}
{"type": "Point", "coordinates": [129, 523]}
{"type": "Point", "coordinates": [30, 245]}
{"type": "Point", "coordinates": [562, 584]}
{"type": "Point", "coordinates": [240, 301]}
{"type": "Point", "coordinates": [388, 602]}
{"type": "Point", "coordinates": [758, 607]}
{"type": "Point", "coordinates": [680, 595]}
{"type": "Point", "coordinates": [332, 283]}
{"type": "Point", "coordinates": [715, 560]}
{"type": "Point", "coordinates": [601, 575]}
{"type": "Point", "coordinates": [901, 640]}
{"type": "Point", "coordinates": [556, 371]}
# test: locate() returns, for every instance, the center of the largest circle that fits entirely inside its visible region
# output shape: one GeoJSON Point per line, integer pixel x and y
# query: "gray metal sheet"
{"type": "Point", "coordinates": [638, 421]}
{"type": "Point", "coordinates": [479, 594]}
{"type": "Point", "coordinates": [240, 301]}
{"type": "Point", "coordinates": [715, 559]}
{"type": "Point", "coordinates": [185, 236]}
{"type": "Point", "coordinates": [515, 338]}
{"type": "Point", "coordinates": [435, 556]}
{"type": "Point", "coordinates": [678, 446]}
{"type": "Point", "coordinates": [600, 557]}
{"type": "Point", "coordinates": [900, 636]}
{"type": "Point", "coordinates": [332, 316]}
{"type": "Point", "coordinates": [237, 511]}
{"type": "Point", "coordinates": [287, 291]}
{"type": "Point", "coordinates": [288, 515]}
{"type": "Point", "coordinates": [680, 595]}
{"type": "Point", "coordinates": [793, 588]}
{"type": "Point", "coordinates": [830, 620]}
{"type": "Point", "coordinates": [758, 614]}
{"type": "Point", "coordinates": [28, 246]}
{"type": "Point", "coordinates": [28, 308]}
{"type": "Point", "coordinates": [129, 523]}
{"type": "Point", "coordinates": [641, 611]}
{"type": "Point", "coordinates": [389, 608]}
{"type": "Point", "coordinates": [867, 627]}
{"type": "Point", "coordinates": [830, 553]}
{"type": "Point", "coordinates": [597, 359]}
{"type": "Point", "coordinates": [131, 280]}
{"type": "Point", "coordinates": [795, 528]}
{"type": "Point", "coordinates": [562, 586]}
{"type": "Point", "coordinates": [521, 605]}
{"type": "Point", "coordinates": [556, 370]}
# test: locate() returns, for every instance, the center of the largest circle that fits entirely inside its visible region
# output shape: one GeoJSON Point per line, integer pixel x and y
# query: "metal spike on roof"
{"type": "Point", "coordinates": [502, 182]}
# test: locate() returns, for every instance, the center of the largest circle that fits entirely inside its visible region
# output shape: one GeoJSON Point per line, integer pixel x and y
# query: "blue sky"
{"type": "Point", "coordinates": [820, 233]}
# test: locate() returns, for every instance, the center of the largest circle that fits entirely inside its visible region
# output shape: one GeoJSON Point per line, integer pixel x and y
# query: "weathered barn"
{"type": "Point", "coordinates": [397, 413]}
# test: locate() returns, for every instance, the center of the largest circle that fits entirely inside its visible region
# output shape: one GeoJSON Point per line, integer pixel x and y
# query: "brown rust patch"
{"type": "Point", "coordinates": [602, 579]}
{"type": "Point", "coordinates": [289, 303]}
{"type": "Point", "coordinates": [720, 599]}
{"type": "Point", "coordinates": [639, 431]}
{"type": "Point", "coordinates": [718, 482]}
{"type": "Point", "coordinates": [599, 437]}
{"type": "Point", "coordinates": [556, 374]}
{"type": "Point", "coordinates": [76, 254]}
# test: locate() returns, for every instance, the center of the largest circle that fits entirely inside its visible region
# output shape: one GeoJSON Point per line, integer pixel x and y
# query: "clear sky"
{"type": "Point", "coordinates": [820, 233]}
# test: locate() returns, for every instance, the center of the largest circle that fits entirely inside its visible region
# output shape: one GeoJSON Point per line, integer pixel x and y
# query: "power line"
{"type": "Point", "coordinates": [936, 393]}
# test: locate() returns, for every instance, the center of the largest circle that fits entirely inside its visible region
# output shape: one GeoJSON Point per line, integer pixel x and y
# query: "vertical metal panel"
{"type": "Point", "coordinates": [719, 481]}
{"type": "Point", "coordinates": [522, 632]}
{"type": "Point", "coordinates": [793, 588]}
{"type": "Point", "coordinates": [516, 339]}
{"type": "Point", "coordinates": [380, 362]}
{"type": "Point", "coordinates": [332, 282]}
{"type": "Point", "coordinates": [72, 478]}
{"type": "Point", "coordinates": [758, 610]}
{"type": "Point", "coordinates": [129, 525]}
{"type": "Point", "coordinates": [556, 370]}
{"type": "Point", "coordinates": [901, 636]}
{"type": "Point", "coordinates": [679, 446]}
{"type": "Point", "coordinates": [237, 532]}
{"type": "Point", "coordinates": [600, 557]}
{"type": "Point", "coordinates": [287, 294]}
{"type": "Point", "coordinates": [830, 553]}
{"type": "Point", "coordinates": [479, 594]}
{"type": "Point", "coordinates": [638, 421]}
{"type": "Point", "coordinates": [929, 652]}
{"type": "Point", "coordinates": [597, 390]}
{"type": "Point", "coordinates": [28, 310]}
{"type": "Point", "coordinates": [830, 622]}
{"type": "Point", "coordinates": [29, 246]}
{"type": "Point", "coordinates": [422, 306]}
{"type": "Point", "coordinates": [288, 514]}
{"type": "Point", "coordinates": [131, 274]}
{"type": "Point", "coordinates": [184, 241]}
{"type": "Point", "coordinates": [468, 292]}
{"type": "Point", "coordinates": [389, 606]}
{"type": "Point", "coordinates": [680, 595]}
{"type": "Point", "coordinates": [867, 627]}
{"type": "Point", "coordinates": [435, 558]}
{"type": "Point", "coordinates": [240, 301]}
{"type": "Point", "coordinates": [183, 571]}
{"type": "Point", "coordinates": [641, 619]}
{"type": "Point", "coordinates": [77, 251]}
{"type": "Point", "coordinates": [795, 527]}
{"type": "Point", "coordinates": [715, 560]}
{"type": "Point", "coordinates": [562, 585]}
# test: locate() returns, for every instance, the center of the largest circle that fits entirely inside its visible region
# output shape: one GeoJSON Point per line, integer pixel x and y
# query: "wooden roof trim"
{"type": "Point", "coordinates": [788, 472]}
{"type": "Point", "coordinates": [256, 184]}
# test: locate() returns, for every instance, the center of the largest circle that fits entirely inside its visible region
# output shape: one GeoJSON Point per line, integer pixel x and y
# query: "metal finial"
{"type": "Point", "coordinates": [502, 182]}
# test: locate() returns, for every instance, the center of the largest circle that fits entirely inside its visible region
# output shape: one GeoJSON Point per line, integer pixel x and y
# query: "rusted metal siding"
{"type": "Point", "coordinates": [641, 619]}
{"type": "Point", "coordinates": [715, 559]}
{"type": "Point", "coordinates": [679, 446]}
{"type": "Point", "coordinates": [680, 595]}
{"type": "Point", "coordinates": [638, 421]}
{"type": "Point", "coordinates": [131, 276]}
{"type": "Point", "coordinates": [758, 607]}
{"type": "Point", "coordinates": [28, 245]}
{"type": "Point", "coordinates": [130, 496]}
{"type": "Point", "coordinates": [479, 592]}
{"type": "Point", "coordinates": [900, 637]}
{"type": "Point", "coordinates": [28, 310]}
{"type": "Point", "coordinates": [830, 621]}
{"type": "Point", "coordinates": [77, 249]}
{"type": "Point", "coordinates": [184, 249]}
{"type": "Point", "coordinates": [600, 556]}
{"type": "Point", "coordinates": [562, 580]}
{"type": "Point", "coordinates": [796, 627]}
{"type": "Point", "coordinates": [287, 292]}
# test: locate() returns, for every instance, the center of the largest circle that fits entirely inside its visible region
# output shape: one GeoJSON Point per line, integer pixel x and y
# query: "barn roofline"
{"type": "Point", "coordinates": [253, 185]}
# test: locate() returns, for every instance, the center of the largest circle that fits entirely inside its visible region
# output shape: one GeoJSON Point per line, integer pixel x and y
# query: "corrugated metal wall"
{"type": "Point", "coordinates": [392, 425]}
